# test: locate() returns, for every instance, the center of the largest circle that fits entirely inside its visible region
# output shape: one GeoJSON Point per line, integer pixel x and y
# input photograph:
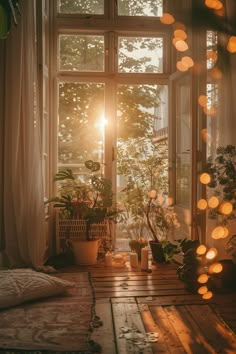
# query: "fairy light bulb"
{"type": "Point", "coordinates": [203, 278]}
{"type": "Point", "coordinates": [202, 290]}
{"type": "Point", "coordinates": [218, 232]}
{"type": "Point", "coordinates": [201, 250]}
{"type": "Point", "coordinates": [181, 66]}
{"type": "Point", "coordinates": [167, 19]}
{"type": "Point", "coordinates": [202, 204]}
{"type": "Point", "coordinates": [205, 178]}
{"type": "Point", "coordinates": [213, 202]}
{"type": "Point", "coordinates": [208, 295]}
{"type": "Point", "coordinates": [211, 253]}
{"type": "Point", "coordinates": [215, 268]}
{"type": "Point", "coordinates": [226, 232]}
{"type": "Point", "coordinates": [181, 45]}
{"type": "Point", "coordinates": [202, 100]}
{"type": "Point", "coordinates": [231, 46]}
{"type": "Point", "coordinates": [188, 61]}
{"type": "Point", "coordinates": [180, 34]}
{"type": "Point", "coordinates": [226, 208]}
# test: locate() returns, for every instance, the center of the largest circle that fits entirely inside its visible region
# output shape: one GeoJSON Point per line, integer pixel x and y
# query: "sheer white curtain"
{"type": "Point", "coordinates": [23, 182]}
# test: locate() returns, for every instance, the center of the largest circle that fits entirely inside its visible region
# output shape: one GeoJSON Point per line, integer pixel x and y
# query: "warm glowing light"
{"type": "Point", "coordinates": [214, 4]}
{"type": "Point", "coordinates": [205, 136]}
{"type": "Point", "coordinates": [187, 61]}
{"type": "Point", "coordinates": [212, 54]}
{"type": "Point", "coordinates": [208, 295]}
{"type": "Point", "coordinates": [218, 232]}
{"type": "Point", "coordinates": [180, 34]}
{"type": "Point", "coordinates": [202, 204]}
{"type": "Point", "coordinates": [167, 19]}
{"type": "Point", "coordinates": [231, 46]}
{"type": "Point", "coordinates": [211, 253]}
{"type": "Point", "coordinates": [226, 232]}
{"type": "Point", "coordinates": [211, 111]}
{"type": "Point", "coordinates": [181, 45]}
{"type": "Point", "coordinates": [202, 100]}
{"type": "Point", "coordinates": [170, 201]}
{"type": "Point", "coordinates": [181, 66]}
{"type": "Point", "coordinates": [202, 290]}
{"type": "Point", "coordinates": [226, 208]}
{"type": "Point", "coordinates": [215, 268]}
{"type": "Point", "coordinates": [215, 73]}
{"type": "Point", "coordinates": [152, 194]}
{"type": "Point", "coordinates": [205, 178]}
{"type": "Point", "coordinates": [213, 202]}
{"type": "Point", "coordinates": [203, 278]}
{"type": "Point", "coordinates": [201, 250]}
{"type": "Point", "coordinates": [179, 25]}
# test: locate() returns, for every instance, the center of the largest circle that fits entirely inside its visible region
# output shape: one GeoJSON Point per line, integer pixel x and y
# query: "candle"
{"type": "Point", "coordinates": [108, 259]}
{"type": "Point", "coordinates": [133, 259]}
{"type": "Point", "coordinates": [144, 258]}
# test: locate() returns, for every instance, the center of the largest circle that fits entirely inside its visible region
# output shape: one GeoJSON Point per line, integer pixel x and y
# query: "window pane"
{"type": "Point", "coordinates": [141, 156]}
{"type": "Point", "coordinates": [140, 8]}
{"type": "Point", "coordinates": [140, 55]}
{"type": "Point", "coordinates": [81, 123]}
{"type": "Point", "coordinates": [81, 53]}
{"type": "Point", "coordinates": [95, 7]}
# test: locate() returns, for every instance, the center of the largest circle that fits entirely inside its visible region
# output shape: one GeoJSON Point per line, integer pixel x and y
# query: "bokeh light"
{"type": "Point", "coordinates": [205, 178]}
{"type": "Point", "coordinates": [211, 253]}
{"type": "Point", "coordinates": [201, 250]}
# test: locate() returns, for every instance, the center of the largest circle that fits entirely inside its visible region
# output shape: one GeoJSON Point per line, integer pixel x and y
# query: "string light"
{"type": "Point", "coordinates": [213, 202]}
{"type": "Point", "coordinates": [218, 232]}
{"type": "Point", "coordinates": [202, 290]}
{"type": "Point", "coordinates": [211, 253]}
{"type": "Point", "coordinates": [201, 250]}
{"type": "Point", "coordinates": [226, 208]}
{"type": "Point", "coordinates": [205, 178]}
{"type": "Point", "coordinates": [202, 204]}
{"type": "Point", "coordinates": [208, 295]}
{"type": "Point", "coordinates": [167, 19]}
{"type": "Point", "coordinates": [203, 278]}
{"type": "Point", "coordinates": [215, 268]}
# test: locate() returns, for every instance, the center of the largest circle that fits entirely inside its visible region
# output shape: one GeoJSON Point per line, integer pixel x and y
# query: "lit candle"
{"type": "Point", "coordinates": [108, 259]}
{"type": "Point", "coordinates": [133, 259]}
{"type": "Point", "coordinates": [144, 258]}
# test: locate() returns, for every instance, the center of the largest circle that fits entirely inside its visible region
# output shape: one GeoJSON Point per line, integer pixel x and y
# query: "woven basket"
{"type": "Point", "coordinates": [75, 229]}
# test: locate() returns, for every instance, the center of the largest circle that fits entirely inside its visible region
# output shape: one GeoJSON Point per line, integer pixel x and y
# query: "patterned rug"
{"type": "Point", "coordinates": [60, 324]}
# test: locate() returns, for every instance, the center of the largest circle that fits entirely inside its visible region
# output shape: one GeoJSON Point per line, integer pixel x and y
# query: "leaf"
{"type": "Point", "coordinates": [64, 174]}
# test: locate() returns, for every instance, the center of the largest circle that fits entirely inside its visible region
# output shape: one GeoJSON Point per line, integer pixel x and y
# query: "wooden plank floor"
{"type": "Point", "coordinates": [153, 313]}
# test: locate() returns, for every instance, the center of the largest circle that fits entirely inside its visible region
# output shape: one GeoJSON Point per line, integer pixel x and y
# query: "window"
{"type": "Point", "coordinates": [112, 82]}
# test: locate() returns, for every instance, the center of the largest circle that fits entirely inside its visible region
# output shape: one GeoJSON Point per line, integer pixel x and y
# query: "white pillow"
{"type": "Point", "coordinates": [21, 285]}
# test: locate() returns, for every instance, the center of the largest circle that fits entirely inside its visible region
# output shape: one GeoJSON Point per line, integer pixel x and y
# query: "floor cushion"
{"type": "Point", "coordinates": [21, 285]}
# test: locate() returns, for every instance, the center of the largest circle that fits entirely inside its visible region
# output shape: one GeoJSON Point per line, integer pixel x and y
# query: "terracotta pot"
{"type": "Point", "coordinates": [85, 252]}
{"type": "Point", "coordinates": [157, 252]}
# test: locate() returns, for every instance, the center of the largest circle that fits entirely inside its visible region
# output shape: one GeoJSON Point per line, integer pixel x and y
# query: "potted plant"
{"type": "Point", "coordinates": [161, 219]}
{"type": "Point", "coordinates": [83, 204]}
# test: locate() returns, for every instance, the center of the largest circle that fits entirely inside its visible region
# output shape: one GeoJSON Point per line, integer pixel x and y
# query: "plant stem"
{"type": "Point", "coordinates": [148, 220]}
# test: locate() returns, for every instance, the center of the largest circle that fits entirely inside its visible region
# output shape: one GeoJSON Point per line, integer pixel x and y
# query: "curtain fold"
{"type": "Point", "coordinates": [23, 181]}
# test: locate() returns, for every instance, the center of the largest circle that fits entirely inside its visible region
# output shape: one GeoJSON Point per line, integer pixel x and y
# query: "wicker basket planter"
{"type": "Point", "coordinates": [73, 231]}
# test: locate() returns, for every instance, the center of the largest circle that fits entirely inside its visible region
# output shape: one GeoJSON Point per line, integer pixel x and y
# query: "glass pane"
{"type": "Point", "coordinates": [183, 146]}
{"type": "Point", "coordinates": [140, 55]}
{"type": "Point", "coordinates": [141, 156]}
{"type": "Point", "coordinates": [95, 7]}
{"type": "Point", "coordinates": [140, 8]}
{"type": "Point", "coordinates": [81, 124]}
{"type": "Point", "coordinates": [81, 53]}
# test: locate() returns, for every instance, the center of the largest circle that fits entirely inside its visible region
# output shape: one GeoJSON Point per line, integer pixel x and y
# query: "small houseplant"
{"type": "Point", "coordinates": [81, 204]}
{"type": "Point", "coordinates": [160, 220]}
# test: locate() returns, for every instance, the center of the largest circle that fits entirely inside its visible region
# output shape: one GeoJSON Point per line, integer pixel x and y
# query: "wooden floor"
{"type": "Point", "coordinates": [153, 313]}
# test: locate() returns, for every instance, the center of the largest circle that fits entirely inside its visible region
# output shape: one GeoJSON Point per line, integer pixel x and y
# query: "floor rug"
{"type": "Point", "coordinates": [54, 325]}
